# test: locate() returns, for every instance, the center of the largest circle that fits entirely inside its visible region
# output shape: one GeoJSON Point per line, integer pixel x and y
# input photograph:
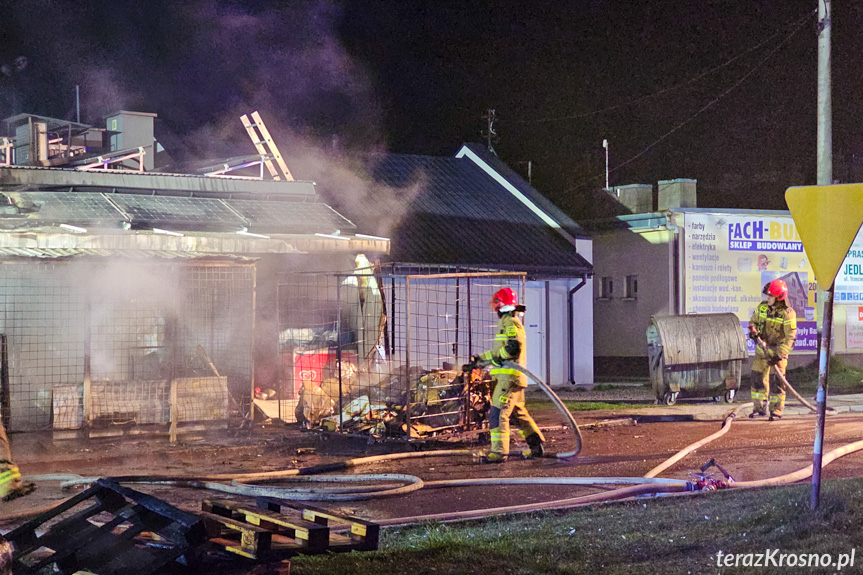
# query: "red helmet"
{"type": "Point", "coordinates": [504, 298]}
{"type": "Point", "coordinates": [778, 289]}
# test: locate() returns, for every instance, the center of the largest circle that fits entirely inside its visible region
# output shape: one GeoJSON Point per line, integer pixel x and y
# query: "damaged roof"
{"type": "Point", "coordinates": [182, 203]}
{"type": "Point", "coordinates": [51, 213]}
{"type": "Point", "coordinates": [471, 210]}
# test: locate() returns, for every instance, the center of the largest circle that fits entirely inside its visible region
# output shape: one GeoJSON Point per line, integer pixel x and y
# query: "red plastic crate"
{"type": "Point", "coordinates": [317, 365]}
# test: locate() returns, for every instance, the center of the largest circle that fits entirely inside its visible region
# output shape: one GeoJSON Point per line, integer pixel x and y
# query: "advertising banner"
{"type": "Point", "coordinates": [854, 327]}
{"type": "Point", "coordinates": [729, 258]}
{"type": "Point", "coordinates": [848, 288]}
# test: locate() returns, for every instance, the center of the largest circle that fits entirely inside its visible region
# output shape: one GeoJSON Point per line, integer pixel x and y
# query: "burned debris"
{"type": "Point", "coordinates": [439, 401]}
{"type": "Point", "coordinates": [401, 382]}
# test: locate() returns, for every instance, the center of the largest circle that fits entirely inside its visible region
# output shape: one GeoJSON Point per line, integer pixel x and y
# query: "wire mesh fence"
{"type": "Point", "coordinates": [104, 343]}
{"type": "Point", "coordinates": [380, 351]}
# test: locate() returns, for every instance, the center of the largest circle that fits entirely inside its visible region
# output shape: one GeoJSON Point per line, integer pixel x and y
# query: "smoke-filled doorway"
{"type": "Point", "coordinates": [378, 350]}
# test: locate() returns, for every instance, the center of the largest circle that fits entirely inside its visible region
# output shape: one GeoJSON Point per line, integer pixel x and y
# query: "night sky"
{"type": "Point", "coordinates": [720, 91]}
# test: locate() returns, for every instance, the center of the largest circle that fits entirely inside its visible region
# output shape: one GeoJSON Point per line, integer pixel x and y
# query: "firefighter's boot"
{"type": "Point", "coordinates": [499, 445]}
{"type": "Point", "coordinates": [760, 385]}
{"type": "Point", "coordinates": [534, 441]}
{"type": "Point", "coordinates": [777, 400]}
{"type": "Point", "coordinates": [493, 457]}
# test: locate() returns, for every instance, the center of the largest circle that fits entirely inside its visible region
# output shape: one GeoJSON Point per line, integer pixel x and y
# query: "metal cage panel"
{"type": "Point", "coordinates": [107, 342]}
{"type": "Point", "coordinates": [378, 351]}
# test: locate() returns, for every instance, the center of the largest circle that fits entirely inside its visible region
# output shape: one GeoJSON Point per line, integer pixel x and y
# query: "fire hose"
{"type": "Point", "coordinates": [726, 425]}
{"type": "Point", "coordinates": [558, 403]}
{"type": "Point", "coordinates": [636, 485]}
{"type": "Point", "coordinates": [241, 484]}
{"type": "Point", "coordinates": [639, 486]}
{"type": "Point", "coordinates": [761, 344]}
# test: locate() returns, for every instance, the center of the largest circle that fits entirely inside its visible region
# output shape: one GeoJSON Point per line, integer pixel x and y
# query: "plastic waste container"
{"type": "Point", "coordinates": [698, 355]}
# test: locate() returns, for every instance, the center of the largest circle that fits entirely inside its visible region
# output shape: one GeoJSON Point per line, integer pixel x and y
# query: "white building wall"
{"type": "Point", "coordinates": [583, 344]}
{"type": "Point", "coordinates": [620, 323]}
{"type": "Point", "coordinates": [548, 333]}
{"type": "Point", "coordinates": [548, 336]}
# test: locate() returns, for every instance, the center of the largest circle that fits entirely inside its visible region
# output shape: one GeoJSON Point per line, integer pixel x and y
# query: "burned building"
{"type": "Point", "coordinates": [136, 297]}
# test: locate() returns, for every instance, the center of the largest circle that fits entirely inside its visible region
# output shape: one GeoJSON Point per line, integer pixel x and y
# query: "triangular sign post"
{"type": "Point", "coordinates": [827, 219]}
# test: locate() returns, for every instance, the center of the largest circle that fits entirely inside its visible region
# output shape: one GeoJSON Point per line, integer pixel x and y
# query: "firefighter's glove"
{"type": "Point", "coordinates": [774, 360]}
{"type": "Point", "coordinates": [753, 332]}
{"type": "Point", "coordinates": [474, 364]}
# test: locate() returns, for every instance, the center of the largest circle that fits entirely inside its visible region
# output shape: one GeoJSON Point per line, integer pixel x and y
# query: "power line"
{"type": "Point", "coordinates": [709, 105]}
{"type": "Point", "coordinates": [685, 83]}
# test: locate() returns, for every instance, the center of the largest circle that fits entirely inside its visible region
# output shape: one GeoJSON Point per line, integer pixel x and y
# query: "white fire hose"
{"type": "Point", "coordinates": [649, 484]}
{"type": "Point", "coordinates": [558, 403]}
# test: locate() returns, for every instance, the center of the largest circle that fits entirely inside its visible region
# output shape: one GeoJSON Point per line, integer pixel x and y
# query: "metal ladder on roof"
{"type": "Point", "coordinates": [266, 147]}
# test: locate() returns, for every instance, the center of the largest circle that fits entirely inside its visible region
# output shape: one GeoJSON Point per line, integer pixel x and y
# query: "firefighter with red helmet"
{"type": "Point", "coordinates": [775, 322]}
{"type": "Point", "coordinates": [508, 398]}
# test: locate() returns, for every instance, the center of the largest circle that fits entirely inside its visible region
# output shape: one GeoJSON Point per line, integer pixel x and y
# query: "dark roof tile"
{"type": "Point", "coordinates": [456, 213]}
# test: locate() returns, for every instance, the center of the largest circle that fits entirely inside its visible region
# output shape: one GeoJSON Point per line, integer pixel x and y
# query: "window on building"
{"type": "Point", "coordinates": [606, 288]}
{"type": "Point", "coordinates": [630, 290]}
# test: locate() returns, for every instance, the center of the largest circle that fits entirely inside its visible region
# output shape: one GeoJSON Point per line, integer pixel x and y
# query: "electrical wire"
{"type": "Point", "coordinates": [693, 116]}
{"type": "Point", "coordinates": [683, 84]}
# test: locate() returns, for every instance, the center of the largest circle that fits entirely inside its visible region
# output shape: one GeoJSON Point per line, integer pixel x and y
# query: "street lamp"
{"type": "Point", "coordinates": [605, 145]}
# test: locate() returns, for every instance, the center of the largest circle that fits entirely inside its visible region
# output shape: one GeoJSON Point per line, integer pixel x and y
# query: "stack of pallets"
{"type": "Point", "coordinates": [105, 530]}
{"type": "Point", "coordinates": [276, 529]}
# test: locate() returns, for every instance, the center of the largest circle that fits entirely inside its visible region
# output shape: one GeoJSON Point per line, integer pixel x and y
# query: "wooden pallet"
{"type": "Point", "coordinates": [112, 547]}
{"type": "Point", "coordinates": [263, 531]}
{"type": "Point", "coordinates": [364, 535]}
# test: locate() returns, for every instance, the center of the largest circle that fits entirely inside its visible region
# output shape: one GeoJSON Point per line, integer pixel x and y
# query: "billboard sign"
{"type": "Point", "coordinates": [729, 258]}
{"type": "Point", "coordinates": [854, 327]}
{"type": "Point", "coordinates": [848, 288]}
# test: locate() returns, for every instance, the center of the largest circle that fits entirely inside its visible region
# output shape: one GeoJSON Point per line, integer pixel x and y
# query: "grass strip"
{"type": "Point", "coordinates": [843, 378]}
{"type": "Point", "coordinates": [584, 405]}
{"type": "Point", "coordinates": [657, 536]}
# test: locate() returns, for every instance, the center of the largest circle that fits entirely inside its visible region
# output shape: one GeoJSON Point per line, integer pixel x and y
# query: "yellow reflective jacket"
{"type": "Point", "coordinates": [510, 331]}
{"type": "Point", "coordinates": [777, 326]}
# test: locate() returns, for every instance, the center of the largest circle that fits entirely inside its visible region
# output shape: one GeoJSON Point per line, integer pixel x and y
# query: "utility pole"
{"type": "Point", "coordinates": [490, 134]}
{"type": "Point", "coordinates": [605, 145]}
{"type": "Point", "coordinates": [825, 178]}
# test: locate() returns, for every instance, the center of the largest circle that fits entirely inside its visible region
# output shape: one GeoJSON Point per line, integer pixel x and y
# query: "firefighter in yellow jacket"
{"type": "Point", "coordinates": [775, 322]}
{"type": "Point", "coordinates": [11, 485]}
{"type": "Point", "coordinates": [508, 398]}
